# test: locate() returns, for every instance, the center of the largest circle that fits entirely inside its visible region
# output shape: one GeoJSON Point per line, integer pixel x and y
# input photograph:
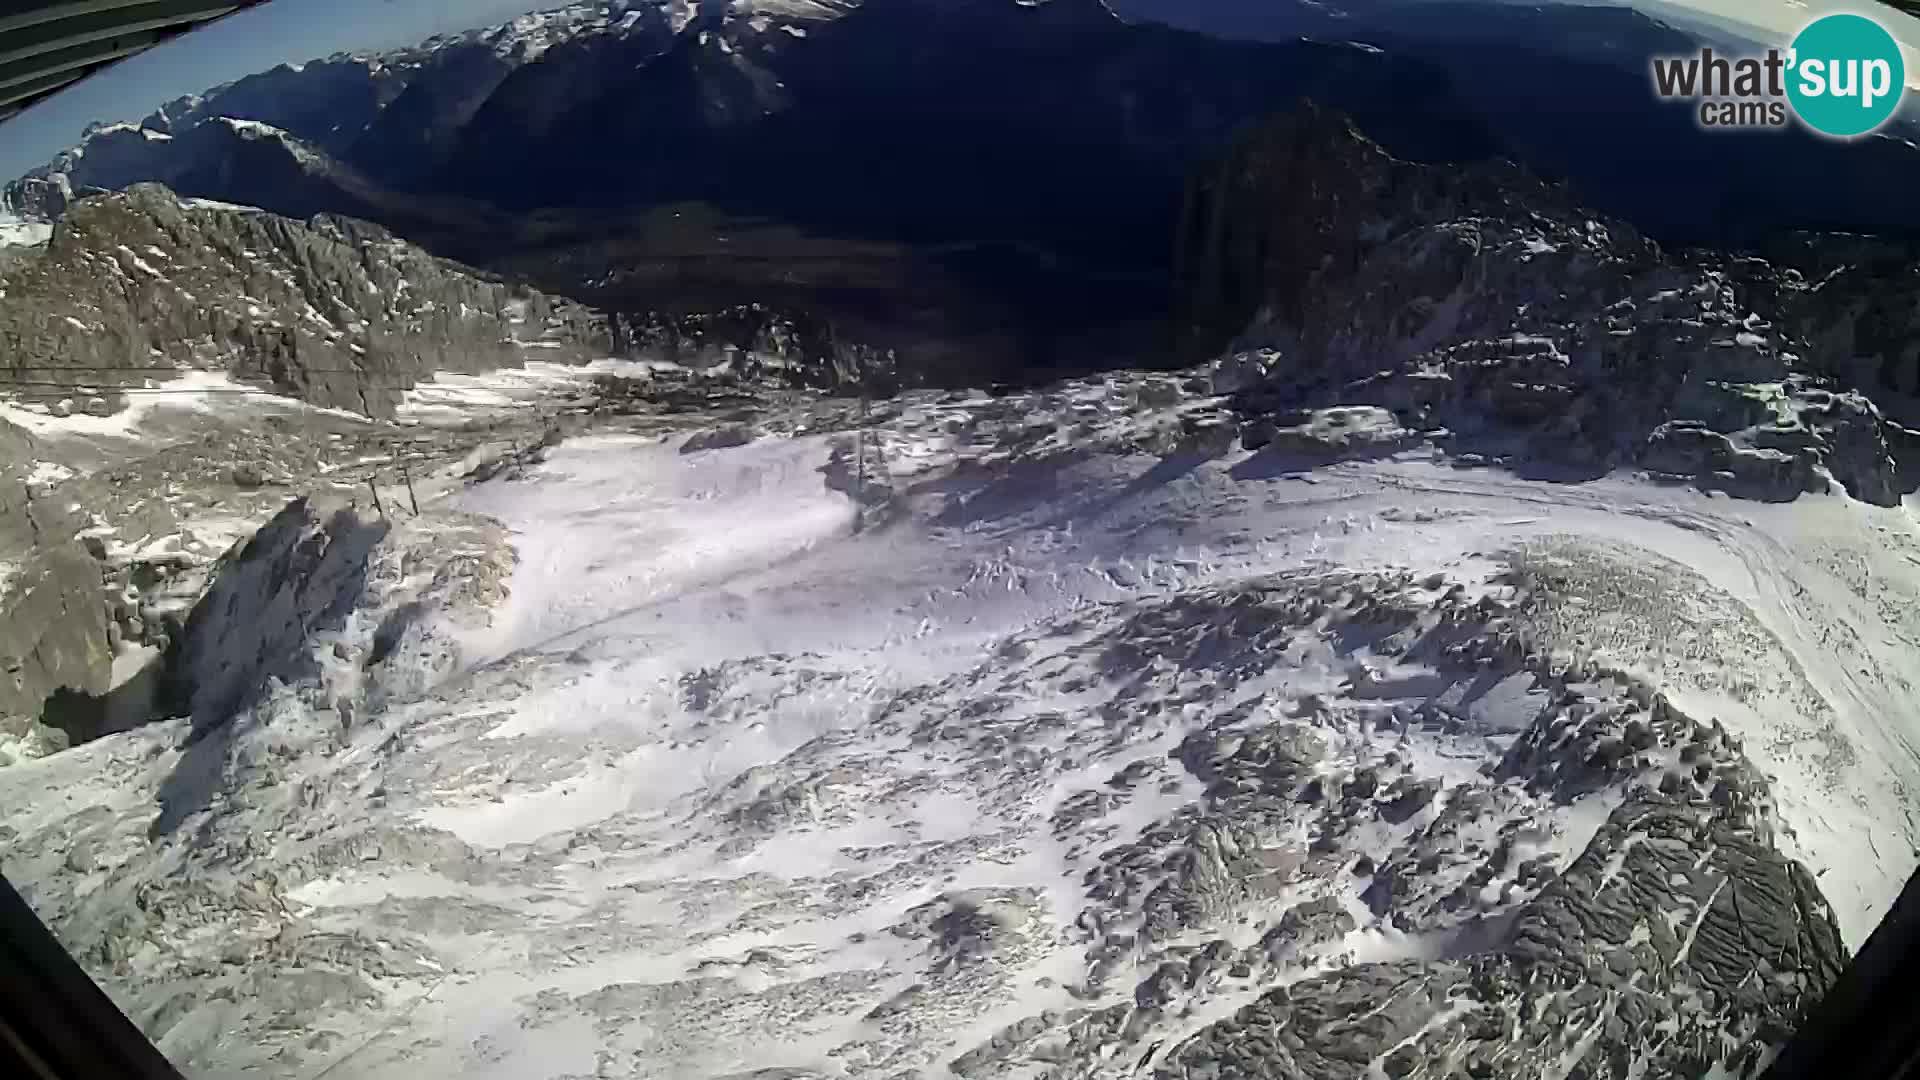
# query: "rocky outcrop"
{"type": "Point", "coordinates": [1329, 433]}
{"type": "Point", "coordinates": [138, 285]}
{"type": "Point", "coordinates": [298, 576]}
{"type": "Point", "coordinates": [1860, 309]}
{"type": "Point", "coordinates": [109, 524]}
{"type": "Point", "coordinates": [252, 616]}
{"type": "Point", "coordinates": [1639, 960]}
{"type": "Point", "coordinates": [105, 573]}
{"type": "Point", "coordinates": [43, 198]}
{"type": "Point", "coordinates": [1635, 958]}
{"type": "Point", "coordinates": [1491, 310]}
{"type": "Point", "coordinates": [756, 344]}
{"type": "Point", "coordinates": [56, 632]}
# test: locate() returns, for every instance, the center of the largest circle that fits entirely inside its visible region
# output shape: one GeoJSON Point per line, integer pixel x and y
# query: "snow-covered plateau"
{"type": "Point", "coordinates": [1007, 737]}
{"type": "Point", "coordinates": [468, 610]}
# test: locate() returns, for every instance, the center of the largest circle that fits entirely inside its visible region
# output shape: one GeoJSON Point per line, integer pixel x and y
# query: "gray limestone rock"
{"type": "Point", "coordinates": [719, 438]}
{"type": "Point", "coordinates": [138, 285]}
{"type": "Point", "coordinates": [55, 634]}
{"type": "Point", "coordinates": [1490, 308]}
{"type": "Point", "coordinates": [302, 571]}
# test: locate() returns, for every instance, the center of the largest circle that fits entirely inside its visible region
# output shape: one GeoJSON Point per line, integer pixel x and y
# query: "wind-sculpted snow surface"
{"type": "Point", "coordinates": [1097, 749]}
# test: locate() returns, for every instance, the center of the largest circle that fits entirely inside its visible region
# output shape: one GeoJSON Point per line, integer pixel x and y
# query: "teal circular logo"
{"type": "Point", "coordinates": [1846, 75]}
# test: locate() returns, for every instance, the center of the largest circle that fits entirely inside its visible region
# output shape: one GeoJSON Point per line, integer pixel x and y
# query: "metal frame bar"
{"type": "Point", "coordinates": [52, 44]}
{"type": "Point", "coordinates": [55, 1023]}
{"type": "Point", "coordinates": [48, 37]}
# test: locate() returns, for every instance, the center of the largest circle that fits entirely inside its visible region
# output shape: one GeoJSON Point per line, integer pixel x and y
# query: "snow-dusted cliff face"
{"type": "Point", "coordinates": [1049, 734]}
{"type": "Point", "coordinates": [141, 287]}
{"type": "Point", "coordinates": [1485, 303]}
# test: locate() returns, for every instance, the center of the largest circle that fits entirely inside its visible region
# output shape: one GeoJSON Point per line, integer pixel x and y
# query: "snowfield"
{"type": "Point", "coordinates": [1054, 764]}
{"type": "Point", "coordinates": [729, 555]}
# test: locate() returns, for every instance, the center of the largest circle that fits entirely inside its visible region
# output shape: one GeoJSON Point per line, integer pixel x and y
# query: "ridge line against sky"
{"type": "Point", "coordinates": [295, 31]}
{"type": "Point", "coordinates": [244, 43]}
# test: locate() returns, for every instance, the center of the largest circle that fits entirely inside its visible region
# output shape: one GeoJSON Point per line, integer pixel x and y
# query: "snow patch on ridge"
{"type": "Point", "coordinates": [17, 231]}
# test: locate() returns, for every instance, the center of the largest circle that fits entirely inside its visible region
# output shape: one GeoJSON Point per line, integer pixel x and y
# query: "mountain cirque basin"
{"type": "Point", "coordinates": [1082, 756]}
{"type": "Point", "coordinates": [1483, 649]}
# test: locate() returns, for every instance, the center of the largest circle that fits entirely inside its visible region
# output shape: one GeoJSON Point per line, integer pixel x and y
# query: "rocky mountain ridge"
{"type": "Point", "coordinates": [537, 162]}
{"type": "Point", "coordinates": [139, 299]}
{"type": "Point", "coordinates": [1495, 312]}
{"type": "Point", "coordinates": [514, 148]}
{"type": "Point", "coordinates": [1365, 304]}
{"type": "Point", "coordinates": [139, 286]}
{"type": "Point", "coordinates": [435, 120]}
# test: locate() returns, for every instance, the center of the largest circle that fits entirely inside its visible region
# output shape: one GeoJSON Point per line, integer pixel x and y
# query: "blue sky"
{"type": "Point", "coordinates": [284, 31]}
{"type": "Point", "coordinates": [291, 31]}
